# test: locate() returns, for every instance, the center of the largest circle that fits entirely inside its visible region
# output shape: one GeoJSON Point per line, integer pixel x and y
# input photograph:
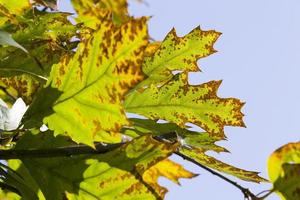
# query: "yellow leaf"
{"type": "Point", "coordinates": [180, 103]}
{"type": "Point", "coordinates": [168, 169]}
{"type": "Point", "coordinates": [9, 9]}
{"type": "Point", "coordinates": [199, 155]}
{"type": "Point", "coordinates": [93, 12]}
{"type": "Point", "coordinates": [95, 80]}
{"type": "Point", "coordinates": [177, 54]}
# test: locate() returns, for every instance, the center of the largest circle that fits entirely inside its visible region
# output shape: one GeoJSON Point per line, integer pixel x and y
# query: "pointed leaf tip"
{"type": "Point", "coordinates": [178, 54]}
{"type": "Point", "coordinates": [168, 169]}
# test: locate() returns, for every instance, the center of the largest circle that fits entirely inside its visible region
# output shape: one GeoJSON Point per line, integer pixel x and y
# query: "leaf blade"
{"type": "Point", "coordinates": [199, 156]}
{"type": "Point", "coordinates": [178, 54]}
{"type": "Point", "coordinates": [95, 176]}
{"type": "Point", "coordinates": [179, 103]}
{"type": "Point", "coordinates": [95, 81]}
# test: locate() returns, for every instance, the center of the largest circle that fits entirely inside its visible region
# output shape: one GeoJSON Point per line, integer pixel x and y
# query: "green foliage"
{"type": "Point", "coordinates": [81, 176]}
{"type": "Point", "coordinates": [81, 80]}
{"type": "Point", "coordinates": [284, 171]}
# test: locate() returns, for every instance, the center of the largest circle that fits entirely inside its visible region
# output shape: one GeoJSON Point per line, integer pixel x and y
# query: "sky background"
{"type": "Point", "coordinates": [258, 60]}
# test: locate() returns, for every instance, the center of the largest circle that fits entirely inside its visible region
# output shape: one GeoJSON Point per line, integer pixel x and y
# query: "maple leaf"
{"type": "Point", "coordinates": [168, 169]}
{"type": "Point", "coordinates": [283, 169]}
{"type": "Point", "coordinates": [199, 155]}
{"type": "Point", "coordinates": [93, 12]}
{"type": "Point", "coordinates": [178, 102]}
{"type": "Point", "coordinates": [177, 54]}
{"type": "Point", "coordinates": [94, 82]}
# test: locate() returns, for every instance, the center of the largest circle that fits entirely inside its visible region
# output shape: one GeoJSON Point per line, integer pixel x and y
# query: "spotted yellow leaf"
{"type": "Point", "coordinates": [211, 162]}
{"type": "Point", "coordinates": [23, 86]}
{"type": "Point", "coordinates": [179, 102]}
{"type": "Point", "coordinates": [168, 169]}
{"type": "Point", "coordinates": [93, 12]}
{"type": "Point", "coordinates": [94, 81]}
{"type": "Point", "coordinates": [178, 53]}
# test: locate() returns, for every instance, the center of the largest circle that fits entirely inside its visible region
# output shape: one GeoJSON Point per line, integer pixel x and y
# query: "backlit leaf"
{"type": "Point", "coordinates": [200, 156]}
{"type": "Point", "coordinates": [284, 171]}
{"type": "Point", "coordinates": [178, 53]}
{"type": "Point", "coordinates": [46, 40]}
{"type": "Point", "coordinates": [95, 80]}
{"type": "Point", "coordinates": [96, 176]}
{"type": "Point", "coordinates": [10, 9]}
{"type": "Point", "coordinates": [167, 169]}
{"type": "Point", "coordinates": [93, 12]}
{"type": "Point", "coordinates": [179, 102]}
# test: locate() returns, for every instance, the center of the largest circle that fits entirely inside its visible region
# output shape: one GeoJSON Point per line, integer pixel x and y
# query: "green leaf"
{"type": "Point", "coordinates": [96, 176]}
{"type": "Point", "coordinates": [94, 83]}
{"type": "Point", "coordinates": [288, 185]}
{"type": "Point", "coordinates": [93, 12]}
{"type": "Point", "coordinates": [6, 39]}
{"type": "Point", "coordinates": [200, 156]}
{"type": "Point", "coordinates": [178, 102]}
{"type": "Point", "coordinates": [13, 179]}
{"type": "Point", "coordinates": [178, 53]}
{"type": "Point", "coordinates": [284, 171]}
{"type": "Point", "coordinates": [46, 36]}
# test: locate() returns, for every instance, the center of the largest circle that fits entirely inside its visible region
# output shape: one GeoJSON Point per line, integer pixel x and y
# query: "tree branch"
{"type": "Point", "coordinates": [57, 152]}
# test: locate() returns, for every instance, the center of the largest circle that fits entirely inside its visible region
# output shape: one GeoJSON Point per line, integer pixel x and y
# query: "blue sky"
{"type": "Point", "coordinates": [258, 60]}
